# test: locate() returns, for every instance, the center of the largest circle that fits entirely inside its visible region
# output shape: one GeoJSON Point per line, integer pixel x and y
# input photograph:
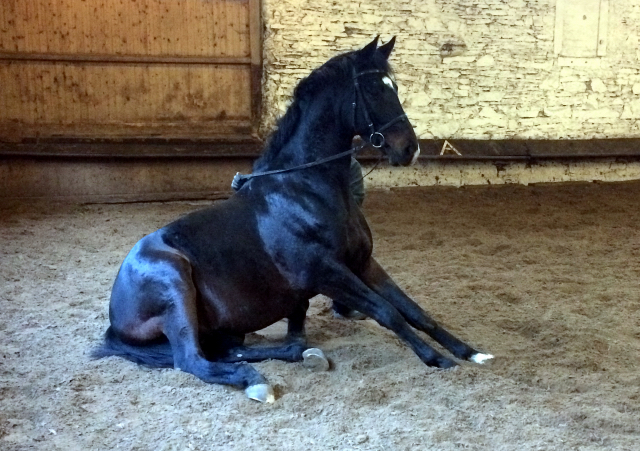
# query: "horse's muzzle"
{"type": "Point", "coordinates": [408, 154]}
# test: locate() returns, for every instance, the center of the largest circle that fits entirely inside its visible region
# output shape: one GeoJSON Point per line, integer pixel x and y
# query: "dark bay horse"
{"type": "Point", "coordinates": [187, 294]}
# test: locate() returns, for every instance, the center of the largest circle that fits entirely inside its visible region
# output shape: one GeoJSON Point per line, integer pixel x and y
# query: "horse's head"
{"type": "Point", "coordinates": [378, 116]}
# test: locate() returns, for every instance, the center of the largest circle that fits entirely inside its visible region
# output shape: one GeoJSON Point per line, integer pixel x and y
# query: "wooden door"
{"type": "Point", "coordinates": [129, 68]}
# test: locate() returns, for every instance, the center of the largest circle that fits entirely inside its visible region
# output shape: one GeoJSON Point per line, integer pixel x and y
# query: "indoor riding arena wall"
{"type": "Point", "coordinates": [469, 69]}
{"type": "Point", "coordinates": [561, 71]}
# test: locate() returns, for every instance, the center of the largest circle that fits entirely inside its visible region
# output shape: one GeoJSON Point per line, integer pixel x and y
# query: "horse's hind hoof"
{"type": "Point", "coordinates": [352, 315]}
{"type": "Point", "coordinates": [315, 360]}
{"type": "Point", "coordinates": [260, 392]}
{"type": "Point", "coordinates": [445, 363]}
{"type": "Point", "coordinates": [480, 358]}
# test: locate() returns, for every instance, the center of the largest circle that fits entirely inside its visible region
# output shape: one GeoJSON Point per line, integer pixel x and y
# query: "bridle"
{"type": "Point", "coordinates": [376, 138]}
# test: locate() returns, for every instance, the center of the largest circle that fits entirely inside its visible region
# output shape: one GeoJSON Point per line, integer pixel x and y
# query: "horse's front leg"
{"type": "Point", "coordinates": [380, 282]}
{"type": "Point", "coordinates": [339, 282]}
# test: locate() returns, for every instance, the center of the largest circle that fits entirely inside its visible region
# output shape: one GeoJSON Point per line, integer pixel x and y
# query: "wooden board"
{"type": "Point", "coordinates": [129, 68]}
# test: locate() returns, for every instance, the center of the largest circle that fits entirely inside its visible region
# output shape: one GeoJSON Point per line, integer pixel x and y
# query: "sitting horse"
{"type": "Point", "coordinates": [186, 295]}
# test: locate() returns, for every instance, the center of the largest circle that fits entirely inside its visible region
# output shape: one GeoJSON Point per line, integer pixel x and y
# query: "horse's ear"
{"type": "Point", "coordinates": [370, 48]}
{"type": "Point", "coordinates": [386, 49]}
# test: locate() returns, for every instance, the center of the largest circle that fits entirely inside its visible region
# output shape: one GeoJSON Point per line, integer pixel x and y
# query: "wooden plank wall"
{"type": "Point", "coordinates": [128, 68]}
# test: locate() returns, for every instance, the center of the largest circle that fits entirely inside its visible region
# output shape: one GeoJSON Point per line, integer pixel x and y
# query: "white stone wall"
{"type": "Point", "coordinates": [506, 83]}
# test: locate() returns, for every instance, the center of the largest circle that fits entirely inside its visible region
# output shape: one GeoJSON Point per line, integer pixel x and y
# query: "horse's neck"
{"type": "Point", "coordinates": [320, 133]}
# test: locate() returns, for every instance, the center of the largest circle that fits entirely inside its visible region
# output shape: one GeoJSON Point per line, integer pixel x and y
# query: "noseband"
{"type": "Point", "coordinates": [376, 138]}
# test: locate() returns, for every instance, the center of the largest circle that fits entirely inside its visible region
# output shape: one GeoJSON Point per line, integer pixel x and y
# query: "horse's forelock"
{"type": "Point", "coordinates": [339, 69]}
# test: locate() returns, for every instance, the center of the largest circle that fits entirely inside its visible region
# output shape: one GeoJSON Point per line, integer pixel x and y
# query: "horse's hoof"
{"type": "Point", "coordinates": [352, 315]}
{"type": "Point", "coordinates": [480, 358]}
{"type": "Point", "coordinates": [260, 392]}
{"type": "Point", "coordinates": [445, 363]}
{"type": "Point", "coordinates": [315, 360]}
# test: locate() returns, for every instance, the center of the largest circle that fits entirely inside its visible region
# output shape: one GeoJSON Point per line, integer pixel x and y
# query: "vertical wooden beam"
{"type": "Point", "coordinates": [255, 36]}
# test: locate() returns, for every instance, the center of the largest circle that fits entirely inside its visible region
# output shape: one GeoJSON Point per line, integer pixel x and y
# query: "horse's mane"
{"type": "Point", "coordinates": [338, 68]}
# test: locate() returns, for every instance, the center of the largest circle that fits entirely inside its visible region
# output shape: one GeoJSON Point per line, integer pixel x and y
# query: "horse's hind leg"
{"type": "Point", "coordinates": [155, 283]}
{"type": "Point", "coordinates": [376, 278]}
{"type": "Point", "coordinates": [181, 328]}
{"type": "Point", "coordinates": [294, 348]}
{"type": "Point", "coordinates": [342, 311]}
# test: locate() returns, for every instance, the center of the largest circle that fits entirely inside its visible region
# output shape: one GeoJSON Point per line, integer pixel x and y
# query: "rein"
{"type": "Point", "coordinates": [241, 179]}
{"type": "Point", "coordinates": [376, 138]}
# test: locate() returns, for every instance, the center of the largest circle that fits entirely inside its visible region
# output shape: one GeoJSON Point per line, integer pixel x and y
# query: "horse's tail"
{"type": "Point", "coordinates": [158, 355]}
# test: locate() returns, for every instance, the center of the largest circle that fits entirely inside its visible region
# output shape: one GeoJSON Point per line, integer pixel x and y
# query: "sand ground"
{"type": "Point", "coordinates": [547, 278]}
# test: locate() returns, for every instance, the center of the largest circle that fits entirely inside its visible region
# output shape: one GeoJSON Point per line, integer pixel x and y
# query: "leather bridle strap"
{"type": "Point", "coordinates": [240, 179]}
{"type": "Point", "coordinates": [376, 138]}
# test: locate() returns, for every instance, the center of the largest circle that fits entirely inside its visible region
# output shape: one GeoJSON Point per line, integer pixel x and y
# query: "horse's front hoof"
{"type": "Point", "coordinates": [315, 360]}
{"type": "Point", "coordinates": [480, 358]}
{"type": "Point", "coordinates": [260, 392]}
